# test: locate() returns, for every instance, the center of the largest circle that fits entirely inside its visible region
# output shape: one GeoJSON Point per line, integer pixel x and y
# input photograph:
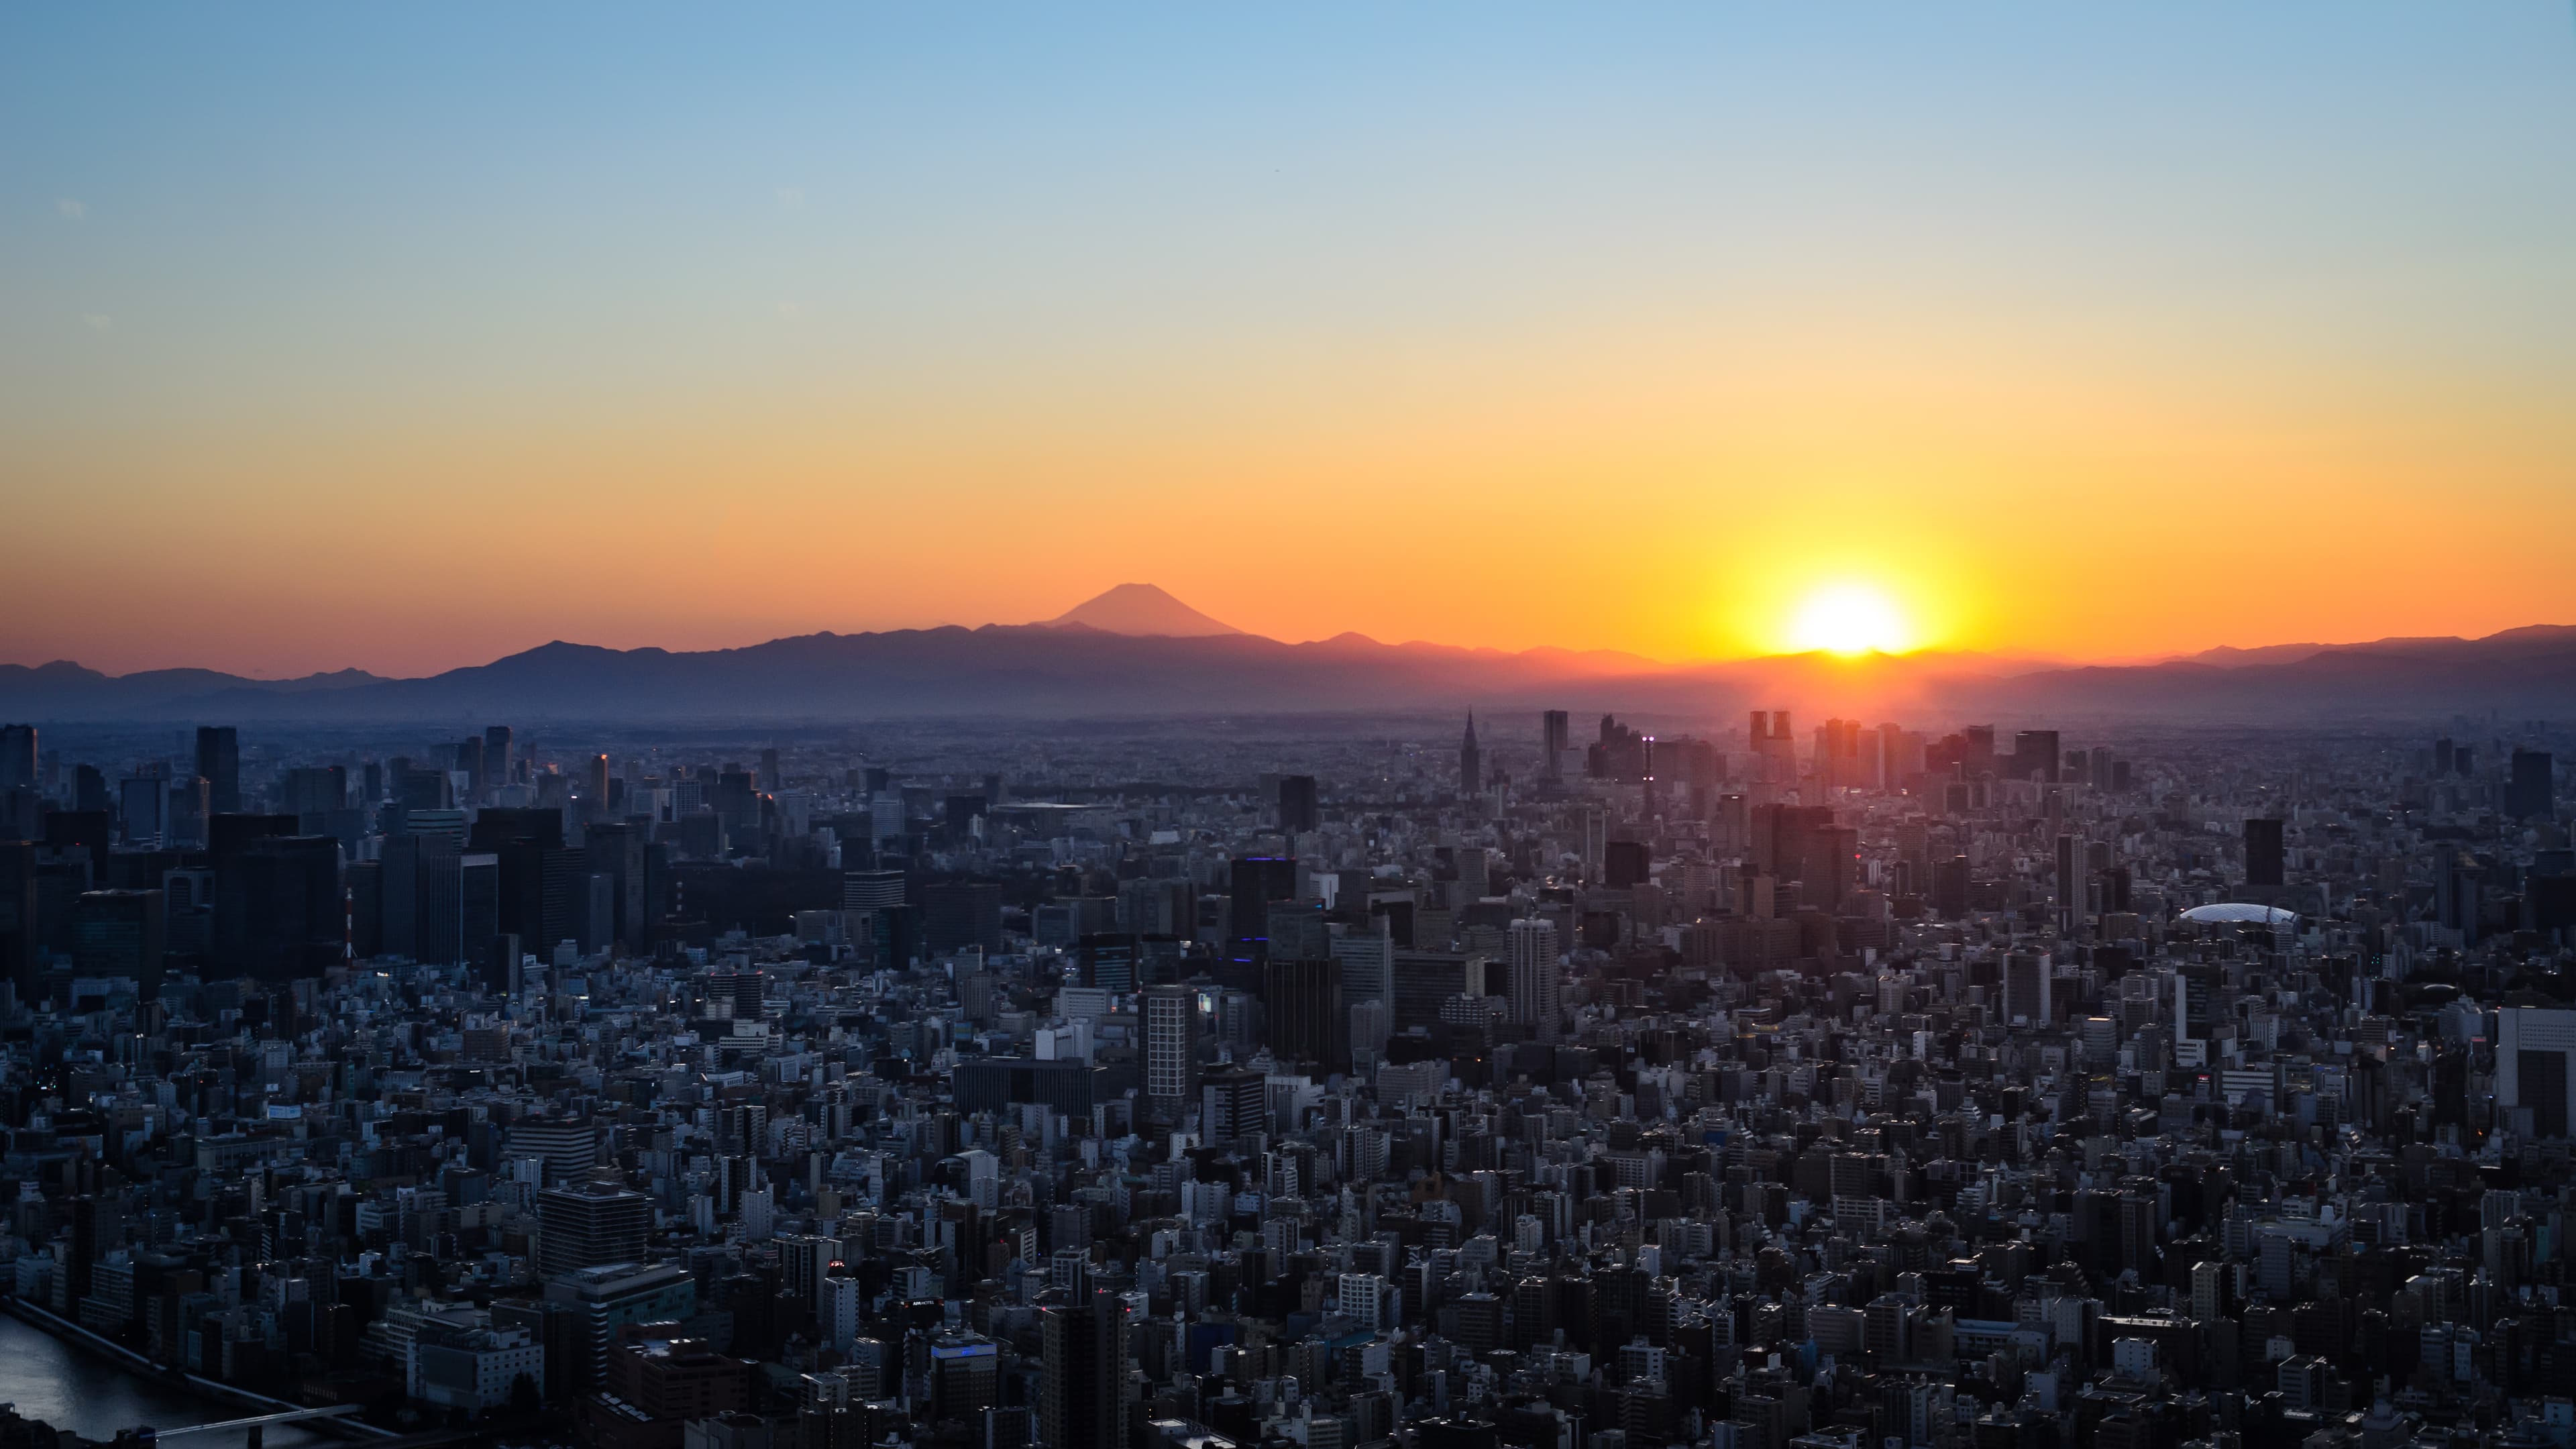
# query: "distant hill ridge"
{"type": "Point", "coordinates": [1136, 651]}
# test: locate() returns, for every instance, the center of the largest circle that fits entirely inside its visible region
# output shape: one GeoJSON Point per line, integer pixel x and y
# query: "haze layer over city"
{"type": "Point", "coordinates": [1155, 728]}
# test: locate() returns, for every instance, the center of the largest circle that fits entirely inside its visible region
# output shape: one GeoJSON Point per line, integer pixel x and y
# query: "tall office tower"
{"type": "Point", "coordinates": [770, 779]}
{"type": "Point", "coordinates": [279, 913]}
{"type": "Point", "coordinates": [1892, 763]}
{"type": "Point", "coordinates": [311, 794]}
{"type": "Point", "coordinates": [616, 849]}
{"type": "Point", "coordinates": [594, 788]}
{"type": "Point", "coordinates": [1775, 746]}
{"type": "Point", "coordinates": [1534, 984]}
{"type": "Point", "coordinates": [497, 764]}
{"type": "Point", "coordinates": [959, 914]}
{"type": "Point", "coordinates": [20, 937]}
{"type": "Point", "coordinates": [469, 763]}
{"type": "Point", "coordinates": [2263, 854]}
{"type": "Point", "coordinates": [1980, 756]}
{"type": "Point", "coordinates": [2533, 1071]}
{"type": "Point", "coordinates": [1625, 864]}
{"type": "Point", "coordinates": [186, 816]}
{"type": "Point", "coordinates": [1256, 881]}
{"type": "Point", "coordinates": [1171, 1032]}
{"type": "Point", "coordinates": [120, 933]}
{"type": "Point", "coordinates": [540, 883]}
{"type": "Point", "coordinates": [2208, 1289]}
{"type": "Point", "coordinates": [1475, 873]}
{"type": "Point", "coordinates": [1233, 1103]}
{"type": "Point", "coordinates": [1471, 762]}
{"type": "Point", "coordinates": [1841, 763]}
{"type": "Point", "coordinates": [1950, 887]}
{"type": "Point", "coordinates": [143, 807]}
{"type": "Point", "coordinates": [2035, 755]}
{"type": "Point", "coordinates": [1367, 954]}
{"type": "Point", "coordinates": [591, 1225]}
{"type": "Point", "coordinates": [2070, 884]}
{"type": "Point", "coordinates": [1302, 1002]}
{"type": "Point", "coordinates": [1082, 1396]}
{"type": "Point", "coordinates": [1596, 841]}
{"type": "Point", "coordinates": [1300, 807]}
{"type": "Point", "coordinates": [2528, 796]}
{"type": "Point", "coordinates": [219, 761]}
{"type": "Point", "coordinates": [89, 788]}
{"type": "Point", "coordinates": [1556, 736]}
{"type": "Point", "coordinates": [2026, 988]}
{"type": "Point", "coordinates": [17, 757]}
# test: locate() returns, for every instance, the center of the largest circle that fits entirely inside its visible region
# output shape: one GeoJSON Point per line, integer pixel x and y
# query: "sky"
{"type": "Point", "coordinates": [407, 337]}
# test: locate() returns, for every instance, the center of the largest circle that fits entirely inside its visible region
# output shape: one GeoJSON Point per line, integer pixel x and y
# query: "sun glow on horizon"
{"type": "Point", "coordinates": [1850, 619]}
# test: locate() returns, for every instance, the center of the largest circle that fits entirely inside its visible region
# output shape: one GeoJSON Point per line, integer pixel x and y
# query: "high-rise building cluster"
{"type": "Point", "coordinates": [1874, 1087]}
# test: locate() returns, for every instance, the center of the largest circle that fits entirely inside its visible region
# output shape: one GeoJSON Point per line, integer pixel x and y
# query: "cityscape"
{"type": "Point", "coordinates": [1544, 1083]}
{"type": "Point", "coordinates": [1125, 726]}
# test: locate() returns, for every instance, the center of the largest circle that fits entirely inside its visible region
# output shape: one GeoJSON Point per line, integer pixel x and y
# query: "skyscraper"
{"type": "Point", "coordinates": [219, 762]}
{"type": "Point", "coordinates": [1555, 737]}
{"type": "Point", "coordinates": [143, 808]}
{"type": "Point", "coordinates": [17, 757]}
{"type": "Point", "coordinates": [2026, 988]}
{"type": "Point", "coordinates": [1303, 1002]}
{"type": "Point", "coordinates": [1171, 1028]}
{"type": "Point", "coordinates": [20, 955]}
{"type": "Point", "coordinates": [120, 933]}
{"type": "Point", "coordinates": [1534, 984]}
{"type": "Point", "coordinates": [2070, 883]}
{"type": "Point", "coordinates": [2533, 1070]}
{"type": "Point", "coordinates": [1082, 1397]}
{"type": "Point", "coordinates": [497, 766]}
{"type": "Point", "coordinates": [591, 1225]}
{"type": "Point", "coordinates": [278, 907]}
{"type": "Point", "coordinates": [2263, 854]}
{"type": "Point", "coordinates": [2529, 793]}
{"type": "Point", "coordinates": [1471, 762]}
{"type": "Point", "coordinates": [1300, 810]}
{"type": "Point", "coordinates": [1256, 881]}
{"type": "Point", "coordinates": [2035, 755]}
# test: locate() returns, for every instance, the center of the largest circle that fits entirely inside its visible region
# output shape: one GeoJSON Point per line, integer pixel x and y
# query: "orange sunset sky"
{"type": "Point", "coordinates": [356, 338]}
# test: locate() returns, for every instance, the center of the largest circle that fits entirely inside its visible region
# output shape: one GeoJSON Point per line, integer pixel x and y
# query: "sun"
{"type": "Point", "coordinates": [1850, 619]}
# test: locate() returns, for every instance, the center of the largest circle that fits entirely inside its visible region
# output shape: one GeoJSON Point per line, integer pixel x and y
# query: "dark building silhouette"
{"type": "Point", "coordinates": [1256, 881]}
{"type": "Point", "coordinates": [1082, 1399]}
{"type": "Point", "coordinates": [1301, 1002]}
{"type": "Point", "coordinates": [616, 849]}
{"type": "Point", "coordinates": [958, 914]}
{"type": "Point", "coordinates": [1300, 809]}
{"type": "Point", "coordinates": [540, 886]}
{"type": "Point", "coordinates": [2528, 794]}
{"type": "Point", "coordinates": [498, 767]}
{"type": "Point", "coordinates": [219, 764]}
{"type": "Point", "coordinates": [89, 788]}
{"type": "Point", "coordinates": [17, 757]}
{"type": "Point", "coordinates": [1471, 762]}
{"type": "Point", "coordinates": [18, 928]}
{"type": "Point", "coordinates": [2035, 754]}
{"type": "Point", "coordinates": [591, 1225]}
{"type": "Point", "coordinates": [1950, 887]}
{"type": "Point", "coordinates": [2263, 853]}
{"type": "Point", "coordinates": [1623, 864]}
{"type": "Point", "coordinates": [278, 908]}
{"type": "Point", "coordinates": [120, 933]}
{"type": "Point", "coordinates": [1109, 960]}
{"type": "Point", "coordinates": [1555, 737]}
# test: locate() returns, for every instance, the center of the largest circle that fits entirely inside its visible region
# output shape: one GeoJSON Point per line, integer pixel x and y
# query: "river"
{"type": "Point", "coordinates": [70, 1388]}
